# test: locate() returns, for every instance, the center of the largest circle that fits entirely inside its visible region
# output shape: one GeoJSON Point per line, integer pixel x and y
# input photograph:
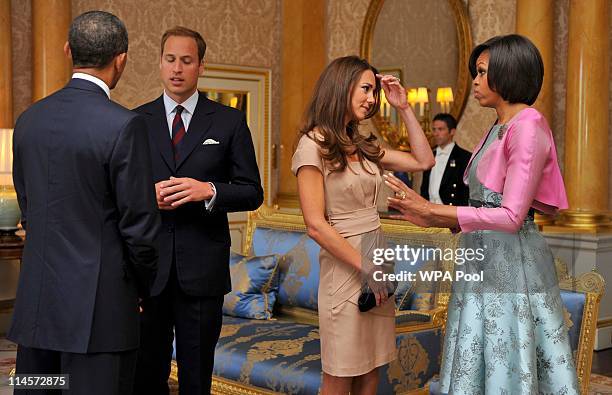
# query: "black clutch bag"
{"type": "Point", "coordinates": [367, 300]}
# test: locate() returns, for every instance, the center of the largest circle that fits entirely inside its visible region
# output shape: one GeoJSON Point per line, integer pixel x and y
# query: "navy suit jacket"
{"type": "Point", "coordinates": [81, 173]}
{"type": "Point", "coordinates": [198, 241]}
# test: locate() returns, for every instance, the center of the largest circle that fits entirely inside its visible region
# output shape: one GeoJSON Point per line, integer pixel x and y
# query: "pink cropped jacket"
{"type": "Point", "coordinates": [521, 165]}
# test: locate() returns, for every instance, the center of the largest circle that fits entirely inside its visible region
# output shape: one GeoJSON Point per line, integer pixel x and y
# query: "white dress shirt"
{"type": "Point", "coordinates": [95, 80]}
{"type": "Point", "coordinates": [189, 106]}
{"type": "Point", "coordinates": [435, 177]}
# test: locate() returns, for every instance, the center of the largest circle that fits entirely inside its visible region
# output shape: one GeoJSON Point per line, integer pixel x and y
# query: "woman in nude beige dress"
{"type": "Point", "coordinates": [339, 173]}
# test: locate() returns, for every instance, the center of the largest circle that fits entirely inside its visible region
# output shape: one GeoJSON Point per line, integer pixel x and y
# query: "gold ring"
{"type": "Point", "coordinates": [402, 195]}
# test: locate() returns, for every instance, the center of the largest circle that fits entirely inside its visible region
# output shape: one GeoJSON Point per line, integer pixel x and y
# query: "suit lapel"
{"type": "Point", "coordinates": [199, 125]}
{"type": "Point", "coordinates": [161, 134]}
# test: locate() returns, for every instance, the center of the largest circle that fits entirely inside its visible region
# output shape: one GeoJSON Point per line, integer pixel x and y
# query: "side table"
{"type": "Point", "coordinates": [11, 249]}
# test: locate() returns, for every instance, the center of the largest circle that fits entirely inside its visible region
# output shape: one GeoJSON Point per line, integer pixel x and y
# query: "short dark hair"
{"type": "Point", "coordinates": [449, 120]}
{"type": "Point", "coordinates": [515, 71]}
{"type": "Point", "coordinates": [95, 38]}
{"type": "Point", "coordinates": [185, 32]}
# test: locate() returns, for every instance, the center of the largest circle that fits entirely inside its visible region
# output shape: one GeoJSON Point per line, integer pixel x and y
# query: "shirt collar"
{"type": "Point", "coordinates": [446, 150]}
{"type": "Point", "coordinates": [189, 104]}
{"type": "Point", "coordinates": [95, 80]}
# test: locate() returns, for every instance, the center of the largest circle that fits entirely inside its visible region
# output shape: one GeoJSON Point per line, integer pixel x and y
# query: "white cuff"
{"type": "Point", "coordinates": [209, 203]}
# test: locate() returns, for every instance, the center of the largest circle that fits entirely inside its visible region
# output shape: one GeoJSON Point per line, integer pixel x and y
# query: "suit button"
{"type": "Point", "coordinates": [454, 185]}
{"type": "Point", "coordinates": [452, 195]}
{"type": "Point", "coordinates": [170, 229]}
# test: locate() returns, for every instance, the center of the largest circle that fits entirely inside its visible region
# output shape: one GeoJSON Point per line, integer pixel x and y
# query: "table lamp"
{"type": "Point", "coordinates": [9, 208]}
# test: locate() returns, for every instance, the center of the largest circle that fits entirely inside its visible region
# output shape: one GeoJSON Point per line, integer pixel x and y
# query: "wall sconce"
{"type": "Point", "coordinates": [422, 99]}
{"type": "Point", "coordinates": [389, 123]}
{"type": "Point", "coordinates": [391, 128]}
{"type": "Point", "coordinates": [444, 97]}
{"type": "Point", "coordinates": [412, 97]}
{"type": "Point", "coordinates": [9, 208]}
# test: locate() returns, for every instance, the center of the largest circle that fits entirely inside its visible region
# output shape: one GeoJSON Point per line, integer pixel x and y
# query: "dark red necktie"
{"type": "Point", "coordinates": [178, 131]}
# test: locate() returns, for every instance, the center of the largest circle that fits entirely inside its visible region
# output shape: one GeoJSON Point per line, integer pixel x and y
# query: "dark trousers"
{"type": "Point", "coordinates": [197, 324]}
{"type": "Point", "coordinates": [96, 373]}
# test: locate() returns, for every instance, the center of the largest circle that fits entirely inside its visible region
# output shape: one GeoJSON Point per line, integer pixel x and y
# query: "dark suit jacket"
{"type": "Point", "coordinates": [452, 189]}
{"type": "Point", "coordinates": [199, 240]}
{"type": "Point", "coordinates": [82, 178]}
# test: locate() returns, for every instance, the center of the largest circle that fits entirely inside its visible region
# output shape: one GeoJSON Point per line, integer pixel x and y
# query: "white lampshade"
{"type": "Point", "coordinates": [422, 96]}
{"type": "Point", "coordinates": [448, 94]}
{"type": "Point", "coordinates": [444, 94]}
{"type": "Point", "coordinates": [440, 94]}
{"type": "Point", "coordinates": [412, 96]}
{"type": "Point", "coordinates": [9, 209]}
{"type": "Point", "coordinates": [6, 156]}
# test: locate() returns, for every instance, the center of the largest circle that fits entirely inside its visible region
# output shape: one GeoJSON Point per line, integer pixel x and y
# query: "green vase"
{"type": "Point", "coordinates": [9, 209]}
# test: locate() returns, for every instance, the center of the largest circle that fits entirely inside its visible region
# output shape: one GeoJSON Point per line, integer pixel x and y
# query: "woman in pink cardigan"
{"type": "Point", "coordinates": [505, 333]}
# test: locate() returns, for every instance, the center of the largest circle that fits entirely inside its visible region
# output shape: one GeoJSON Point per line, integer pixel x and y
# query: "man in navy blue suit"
{"type": "Point", "coordinates": [204, 166]}
{"type": "Point", "coordinates": [83, 181]}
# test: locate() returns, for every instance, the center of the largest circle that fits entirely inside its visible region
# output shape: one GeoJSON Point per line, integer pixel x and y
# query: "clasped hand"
{"type": "Point", "coordinates": [175, 192]}
{"type": "Point", "coordinates": [379, 285]}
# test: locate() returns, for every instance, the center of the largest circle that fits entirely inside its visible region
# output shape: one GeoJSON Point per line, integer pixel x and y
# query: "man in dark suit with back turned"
{"type": "Point", "coordinates": [203, 166]}
{"type": "Point", "coordinates": [83, 182]}
{"type": "Point", "coordinates": [443, 184]}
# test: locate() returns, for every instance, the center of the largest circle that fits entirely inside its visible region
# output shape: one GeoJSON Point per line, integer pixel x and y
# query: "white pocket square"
{"type": "Point", "coordinates": [210, 142]}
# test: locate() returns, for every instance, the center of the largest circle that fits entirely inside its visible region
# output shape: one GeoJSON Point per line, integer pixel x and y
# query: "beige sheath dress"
{"type": "Point", "coordinates": [352, 343]}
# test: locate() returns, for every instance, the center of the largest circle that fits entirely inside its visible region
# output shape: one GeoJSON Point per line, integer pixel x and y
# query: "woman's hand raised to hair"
{"type": "Point", "coordinates": [394, 91]}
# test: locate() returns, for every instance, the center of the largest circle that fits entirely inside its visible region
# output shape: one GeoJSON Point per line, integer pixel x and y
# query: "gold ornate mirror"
{"type": "Point", "coordinates": [427, 45]}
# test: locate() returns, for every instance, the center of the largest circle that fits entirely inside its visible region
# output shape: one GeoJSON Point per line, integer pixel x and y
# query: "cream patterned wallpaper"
{"type": "Point", "coordinates": [344, 23]}
{"type": "Point", "coordinates": [237, 32]}
{"type": "Point", "coordinates": [21, 30]}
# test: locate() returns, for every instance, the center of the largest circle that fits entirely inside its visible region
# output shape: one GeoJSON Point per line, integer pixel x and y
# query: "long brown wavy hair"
{"type": "Point", "coordinates": [328, 107]}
